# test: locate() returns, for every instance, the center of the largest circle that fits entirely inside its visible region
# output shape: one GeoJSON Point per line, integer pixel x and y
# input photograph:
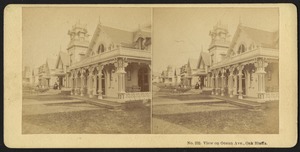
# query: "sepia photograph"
{"type": "Point", "coordinates": [150, 76]}
{"type": "Point", "coordinates": [216, 71]}
{"type": "Point", "coordinates": [86, 70]}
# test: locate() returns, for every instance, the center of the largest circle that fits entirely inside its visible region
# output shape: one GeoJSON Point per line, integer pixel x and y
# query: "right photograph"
{"type": "Point", "coordinates": [215, 70]}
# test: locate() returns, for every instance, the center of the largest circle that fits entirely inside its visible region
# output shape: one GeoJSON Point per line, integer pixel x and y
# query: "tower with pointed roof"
{"type": "Point", "coordinates": [78, 42]}
{"type": "Point", "coordinates": [219, 42]}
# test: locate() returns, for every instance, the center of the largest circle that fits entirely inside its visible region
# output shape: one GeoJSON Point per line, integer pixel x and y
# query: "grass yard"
{"type": "Point", "coordinates": [243, 121]}
{"type": "Point", "coordinates": [82, 118]}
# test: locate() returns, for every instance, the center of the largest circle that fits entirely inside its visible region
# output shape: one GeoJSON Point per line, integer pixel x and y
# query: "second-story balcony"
{"type": "Point", "coordinates": [119, 52]}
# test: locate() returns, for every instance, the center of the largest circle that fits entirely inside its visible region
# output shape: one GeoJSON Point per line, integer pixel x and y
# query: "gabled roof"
{"type": "Point", "coordinates": [205, 57]}
{"type": "Point", "coordinates": [51, 63]}
{"type": "Point", "coordinates": [193, 63]}
{"type": "Point", "coordinates": [263, 38]}
{"type": "Point", "coordinates": [118, 36]}
{"type": "Point", "coordinates": [145, 32]}
{"type": "Point", "coordinates": [64, 57]}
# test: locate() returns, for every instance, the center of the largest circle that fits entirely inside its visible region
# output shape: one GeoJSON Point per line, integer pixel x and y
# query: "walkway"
{"type": "Point", "coordinates": [240, 102]}
{"type": "Point", "coordinates": [112, 103]}
{"type": "Point", "coordinates": [174, 101]}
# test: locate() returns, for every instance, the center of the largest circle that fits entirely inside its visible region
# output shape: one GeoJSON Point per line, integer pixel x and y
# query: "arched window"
{"type": "Point", "coordinates": [242, 49]}
{"type": "Point", "coordinates": [100, 48]}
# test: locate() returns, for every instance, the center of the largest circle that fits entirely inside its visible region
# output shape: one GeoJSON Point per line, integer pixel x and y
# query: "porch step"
{"type": "Point", "coordinates": [239, 102]}
{"type": "Point", "coordinates": [100, 102]}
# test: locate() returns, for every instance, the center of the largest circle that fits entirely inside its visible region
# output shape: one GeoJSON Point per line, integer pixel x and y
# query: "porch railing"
{"type": "Point", "coordinates": [271, 96]}
{"type": "Point", "coordinates": [134, 96]}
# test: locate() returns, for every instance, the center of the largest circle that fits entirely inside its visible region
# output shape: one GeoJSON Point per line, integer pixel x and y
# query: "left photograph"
{"type": "Point", "coordinates": [86, 70]}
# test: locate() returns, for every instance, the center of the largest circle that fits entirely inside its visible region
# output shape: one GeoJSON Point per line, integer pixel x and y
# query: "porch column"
{"type": "Point", "coordinates": [235, 85]}
{"type": "Point", "coordinates": [76, 85]}
{"type": "Point", "coordinates": [217, 83]}
{"type": "Point", "coordinates": [120, 64]}
{"type": "Point", "coordinates": [260, 71]}
{"type": "Point", "coordinates": [100, 68]}
{"type": "Point", "coordinates": [71, 85]}
{"type": "Point", "coordinates": [82, 84]}
{"type": "Point", "coordinates": [222, 82]}
{"type": "Point", "coordinates": [230, 82]}
{"type": "Point", "coordinates": [240, 69]}
{"type": "Point", "coordinates": [212, 84]}
{"type": "Point", "coordinates": [208, 81]}
{"type": "Point", "coordinates": [95, 85]}
{"type": "Point", "coordinates": [89, 84]}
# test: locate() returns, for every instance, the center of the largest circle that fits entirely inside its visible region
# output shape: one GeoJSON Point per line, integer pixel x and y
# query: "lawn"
{"type": "Point", "coordinates": [98, 120]}
{"type": "Point", "coordinates": [243, 121]}
{"type": "Point", "coordinates": [102, 121]}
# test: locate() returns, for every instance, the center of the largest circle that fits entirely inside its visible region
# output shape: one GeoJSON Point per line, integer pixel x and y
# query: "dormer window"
{"type": "Point", "coordinates": [242, 49]}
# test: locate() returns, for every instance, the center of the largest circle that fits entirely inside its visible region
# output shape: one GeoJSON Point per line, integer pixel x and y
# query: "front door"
{"type": "Point", "coordinates": [143, 79]}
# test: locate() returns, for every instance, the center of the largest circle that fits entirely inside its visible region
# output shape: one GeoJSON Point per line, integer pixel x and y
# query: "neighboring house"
{"type": "Point", "coordinates": [35, 76]}
{"type": "Point", "coordinates": [62, 67]}
{"type": "Point", "coordinates": [115, 64]}
{"type": "Point", "coordinates": [156, 77]}
{"type": "Point", "coordinates": [171, 76]}
{"type": "Point", "coordinates": [188, 77]}
{"type": "Point", "coordinates": [202, 68]}
{"type": "Point", "coordinates": [245, 67]}
{"type": "Point", "coordinates": [46, 74]}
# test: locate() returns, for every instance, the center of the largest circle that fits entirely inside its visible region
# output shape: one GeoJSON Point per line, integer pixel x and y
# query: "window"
{"type": "Point", "coordinates": [100, 48]}
{"type": "Point", "coordinates": [71, 56]}
{"type": "Point", "coordinates": [242, 49]}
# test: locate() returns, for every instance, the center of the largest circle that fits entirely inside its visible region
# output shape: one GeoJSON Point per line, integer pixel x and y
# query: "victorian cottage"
{"type": "Point", "coordinates": [245, 67]}
{"type": "Point", "coordinates": [115, 64]}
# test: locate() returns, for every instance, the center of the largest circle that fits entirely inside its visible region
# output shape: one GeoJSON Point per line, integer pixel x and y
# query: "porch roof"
{"type": "Point", "coordinates": [248, 56]}
{"type": "Point", "coordinates": [110, 55]}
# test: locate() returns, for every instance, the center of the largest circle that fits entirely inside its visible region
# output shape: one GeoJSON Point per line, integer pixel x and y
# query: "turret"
{"type": "Point", "coordinates": [219, 42]}
{"type": "Point", "coordinates": [78, 42]}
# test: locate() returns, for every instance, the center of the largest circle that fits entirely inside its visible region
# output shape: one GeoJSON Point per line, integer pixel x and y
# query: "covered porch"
{"type": "Point", "coordinates": [255, 80]}
{"type": "Point", "coordinates": [118, 80]}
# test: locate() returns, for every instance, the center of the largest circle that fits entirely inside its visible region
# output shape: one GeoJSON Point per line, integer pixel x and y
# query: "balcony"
{"type": "Point", "coordinates": [119, 52]}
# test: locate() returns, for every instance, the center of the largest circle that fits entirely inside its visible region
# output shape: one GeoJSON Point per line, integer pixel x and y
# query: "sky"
{"type": "Point", "coordinates": [44, 29]}
{"type": "Point", "coordinates": [181, 33]}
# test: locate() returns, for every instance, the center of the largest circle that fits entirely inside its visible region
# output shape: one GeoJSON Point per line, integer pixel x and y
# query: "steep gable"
{"type": "Point", "coordinates": [63, 58]}
{"type": "Point", "coordinates": [204, 58]}
{"type": "Point", "coordinates": [252, 38]}
{"type": "Point", "coordinates": [193, 63]}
